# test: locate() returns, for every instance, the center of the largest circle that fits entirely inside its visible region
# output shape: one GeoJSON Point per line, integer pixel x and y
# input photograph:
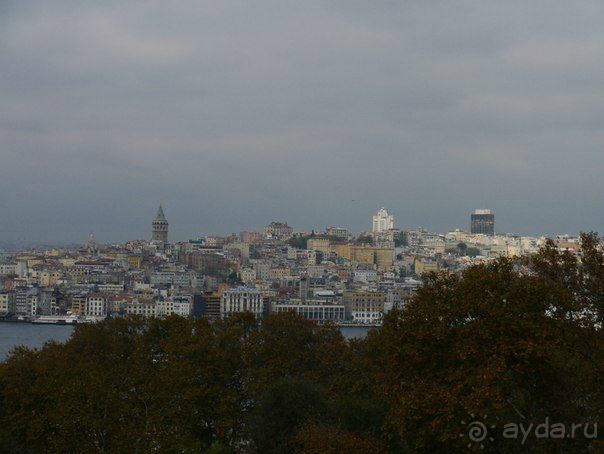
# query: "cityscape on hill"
{"type": "Point", "coordinates": [325, 276]}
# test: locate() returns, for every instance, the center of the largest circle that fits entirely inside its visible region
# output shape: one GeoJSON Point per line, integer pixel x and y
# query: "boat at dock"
{"type": "Point", "coordinates": [55, 319]}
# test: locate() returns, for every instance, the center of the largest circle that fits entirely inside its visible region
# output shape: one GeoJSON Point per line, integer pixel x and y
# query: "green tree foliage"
{"type": "Point", "coordinates": [472, 252]}
{"type": "Point", "coordinates": [513, 342]}
{"type": "Point", "coordinates": [299, 241]}
{"type": "Point", "coordinates": [365, 239]}
{"type": "Point", "coordinates": [464, 250]}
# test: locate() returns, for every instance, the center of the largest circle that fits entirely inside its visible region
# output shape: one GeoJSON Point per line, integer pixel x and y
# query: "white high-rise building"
{"type": "Point", "coordinates": [382, 221]}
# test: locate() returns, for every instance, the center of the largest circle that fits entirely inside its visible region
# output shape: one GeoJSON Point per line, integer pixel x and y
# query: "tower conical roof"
{"type": "Point", "coordinates": [160, 214]}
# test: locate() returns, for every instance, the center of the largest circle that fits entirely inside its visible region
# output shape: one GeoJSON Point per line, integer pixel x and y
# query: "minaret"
{"type": "Point", "coordinates": [160, 227]}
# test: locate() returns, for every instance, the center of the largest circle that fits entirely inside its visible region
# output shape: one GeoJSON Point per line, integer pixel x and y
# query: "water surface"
{"type": "Point", "coordinates": [30, 335]}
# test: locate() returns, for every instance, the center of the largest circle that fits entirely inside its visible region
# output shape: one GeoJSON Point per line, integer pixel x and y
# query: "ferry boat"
{"type": "Point", "coordinates": [56, 319]}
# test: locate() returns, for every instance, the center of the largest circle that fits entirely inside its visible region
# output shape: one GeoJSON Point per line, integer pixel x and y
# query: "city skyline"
{"type": "Point", "coordinates": [429, 110]}
{"type": "Point", "coordinates": [158, 233]}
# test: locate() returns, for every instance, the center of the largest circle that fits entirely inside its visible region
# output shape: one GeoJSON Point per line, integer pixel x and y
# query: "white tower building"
{"type": "Point", "coordinates": [382, 221]}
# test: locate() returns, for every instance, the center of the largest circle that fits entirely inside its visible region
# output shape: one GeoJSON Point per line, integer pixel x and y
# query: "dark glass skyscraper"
{"type": "Point", "coordinates": [483, 221]}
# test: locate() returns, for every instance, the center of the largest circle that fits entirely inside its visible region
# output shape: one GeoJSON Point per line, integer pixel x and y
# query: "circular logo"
{"type": "Point", "coordinates": [477, 431]}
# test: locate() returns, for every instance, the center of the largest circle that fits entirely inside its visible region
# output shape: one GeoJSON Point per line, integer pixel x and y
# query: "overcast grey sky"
{"type": "Point", "coordinates": [236, 113]}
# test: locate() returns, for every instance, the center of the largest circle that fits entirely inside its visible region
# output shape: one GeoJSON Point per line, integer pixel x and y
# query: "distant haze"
{"type": "Point", "coordinates": [237, 113]}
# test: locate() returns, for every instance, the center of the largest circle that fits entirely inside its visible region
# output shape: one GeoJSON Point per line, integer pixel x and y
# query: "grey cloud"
{"type": "Point", "coordinates": [238, 113]}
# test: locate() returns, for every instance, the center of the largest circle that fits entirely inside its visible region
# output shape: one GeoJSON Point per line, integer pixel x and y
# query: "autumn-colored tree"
{"type": "Point", "coordinates": [284, 406]}
{"type": "Point", "coordinates": [320, 439]}
{"type": "Point", "coordinates": [128, 385]}
{"type": "Point", "coordinates": [289, 345]}
{"type": "Point", "coordinates": [492, 342]}
{"type": "Point", "coordinates": [304, 374]}
{"type": "Point", "coordinates": [582, 273]}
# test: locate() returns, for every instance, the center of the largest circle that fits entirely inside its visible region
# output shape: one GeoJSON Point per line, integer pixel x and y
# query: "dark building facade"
{"type": "Point", "coordinates": [483, 221]}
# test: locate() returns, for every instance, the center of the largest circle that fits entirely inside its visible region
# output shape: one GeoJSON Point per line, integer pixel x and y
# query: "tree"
{"type": "Point", "coordinates": [365, 239]}
{"type": "Point", "coordinates": [289, 345]}
{"type": "Point", "coordinates": [128, 384]}
{"type": "Point", "coordinates": [489, 342]}
{"type": "Point", "coordinates": [282, 408]}
{"type": "Point", "coordinates": [299, 241]}
{"type": "Point", "coordinates": [472, 252]}
{"type": "Point", "coordinates": [582, 275]}
{"type": "Point", "coordinates": [326, 439]}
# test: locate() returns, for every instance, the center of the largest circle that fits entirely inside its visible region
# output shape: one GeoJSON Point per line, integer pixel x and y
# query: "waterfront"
{"type": "Point", "coordinates": [34, 336]}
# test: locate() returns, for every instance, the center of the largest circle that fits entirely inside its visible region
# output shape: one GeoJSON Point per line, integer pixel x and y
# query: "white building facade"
{"type": "Point", "coordinates": [319, 312]}
{"type": "Point", "coordinates": [242, 299]}
{"type": "Point", "coordinates": [382, 221]}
